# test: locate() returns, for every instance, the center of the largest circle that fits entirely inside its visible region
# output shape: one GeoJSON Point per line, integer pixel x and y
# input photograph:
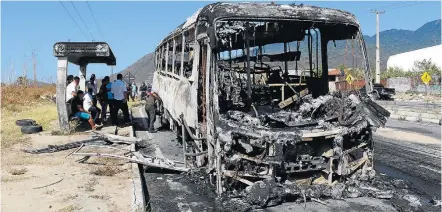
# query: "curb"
{"type": "Point", "coordinates": [138, 202]}
{"type": "Point", "coordinates": [414, 119]}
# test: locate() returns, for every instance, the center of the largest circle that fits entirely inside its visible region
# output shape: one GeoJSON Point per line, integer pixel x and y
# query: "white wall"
{"type": "Point", "coordinates": [406, 60]}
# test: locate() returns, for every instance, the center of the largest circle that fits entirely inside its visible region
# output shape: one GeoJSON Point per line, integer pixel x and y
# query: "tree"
{"type": "Point", "coordinates": [22, 81]}
{"type": "Point", "coordinates": [393, 72]}
{"type": "Point", "coordinates": [426, 66]}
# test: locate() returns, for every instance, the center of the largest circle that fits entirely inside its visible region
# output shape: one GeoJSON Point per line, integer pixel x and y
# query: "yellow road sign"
{"type": "Point", "coordinates": [426, 78]}
{"type": "Point", "coordinates": [349, 79]}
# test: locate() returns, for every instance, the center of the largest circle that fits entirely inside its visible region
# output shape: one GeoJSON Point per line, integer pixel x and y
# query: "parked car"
{"type": "Point", "coordinates": [381, 92]}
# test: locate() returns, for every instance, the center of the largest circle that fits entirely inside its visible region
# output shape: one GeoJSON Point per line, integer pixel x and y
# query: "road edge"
{"type": "Point", "coordinates": [138, 203]}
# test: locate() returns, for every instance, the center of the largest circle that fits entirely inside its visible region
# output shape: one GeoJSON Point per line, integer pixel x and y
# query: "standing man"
{"type": "Point", "coordinates": [134, 91]}
{"type": "Point", "coordinates": [143, 90]}
{"type": "Point", "coordinates": [110, 95]}
{"type": "Point", "coordinates": [72, 88]}
{"type": "Point", "coordinates": [103, 98]}
{"type": "Point", "coordinates": [92, 84]}
{"type": "Point", "coordinates": [150, 109]}
{"type": "Point", "coordinates": [119, 92]}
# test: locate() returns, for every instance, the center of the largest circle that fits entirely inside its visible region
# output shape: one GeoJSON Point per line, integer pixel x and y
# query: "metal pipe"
{"type": "Point", "coordinates": [317, 50]}
{"type": "Point", "coordinates": [249, 86]}
{"type": "Point", "coordinates": [190, 132]}
{"type": "Point", "coordinates": [195, 154]}
{"type": "Point", "coordinates": [310, 52]}
{"type": "Point", "coordinates": [184, 139]}
{"type": "Point", "coordinates": [286, 67]}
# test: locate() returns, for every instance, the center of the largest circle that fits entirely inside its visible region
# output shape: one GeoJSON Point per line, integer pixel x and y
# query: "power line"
{"type": "Point", "coordinates": [407, 5]}
{"type": "Point", "coordinates": [74, 21]}
{"type": "Point", "coordinates": [95, 20]}
{"type": "Point", "coordinates": [398, 5]}
{"type": "Point", "coordinates": [82, 20]}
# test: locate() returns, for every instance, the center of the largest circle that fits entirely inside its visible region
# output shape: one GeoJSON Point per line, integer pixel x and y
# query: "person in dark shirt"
{"type": "Point", "coordinates": [143, 91]}
{"type": "Point", "coordinates": [78, 110]}
{"type": "Point", "coordinates": [102, 97]}
{"type": "Point", "coordinates": [150, 108]}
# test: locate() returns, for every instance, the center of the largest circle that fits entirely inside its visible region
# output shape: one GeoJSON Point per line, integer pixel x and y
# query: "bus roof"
{"type": "Point", "coordinates": [271, 11]}
{"type": "Point", "coordinates": [266, 11]}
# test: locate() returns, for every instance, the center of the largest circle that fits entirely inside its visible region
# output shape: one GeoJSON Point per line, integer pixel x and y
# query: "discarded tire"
{"type": "Point", "coordinates": [31, 129]}
{"type": "Point", "coordinates": [25, 122]}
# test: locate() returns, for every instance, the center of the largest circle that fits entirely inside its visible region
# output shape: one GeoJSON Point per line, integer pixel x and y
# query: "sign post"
{"type": "Point", "coordinates": [426, 78]}
{"type": "Point", "coordinates": [350, 80]}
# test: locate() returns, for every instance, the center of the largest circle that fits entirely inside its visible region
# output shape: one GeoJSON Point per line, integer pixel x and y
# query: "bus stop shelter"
{"type": "Point", "coordinates": [81, 54]}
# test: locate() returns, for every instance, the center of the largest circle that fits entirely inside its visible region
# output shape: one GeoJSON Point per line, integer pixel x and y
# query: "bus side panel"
{"type": "Point", "coordinates": [178, 97]}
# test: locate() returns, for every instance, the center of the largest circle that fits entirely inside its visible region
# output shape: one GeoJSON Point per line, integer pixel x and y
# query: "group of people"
{"type": "Point", "coordinates": [110, 94]}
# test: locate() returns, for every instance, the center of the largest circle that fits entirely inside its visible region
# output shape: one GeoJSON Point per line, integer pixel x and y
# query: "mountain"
{"type": "Point", "coordinates": [393, 41]}
{"type": "Point", "coordinates": [142, 69]}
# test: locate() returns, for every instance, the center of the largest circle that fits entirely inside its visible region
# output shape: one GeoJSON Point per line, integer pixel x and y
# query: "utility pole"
{"type": "Point", "coordinates": [12, 73]}
{"type": "Point", "coordinates": [378, 57]}
{"type": "Point", "coordinates": [112, 73]}
{"type": "Point", "coordinates": [34, 67]}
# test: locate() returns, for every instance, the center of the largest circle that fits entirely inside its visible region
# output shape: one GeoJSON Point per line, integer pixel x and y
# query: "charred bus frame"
{"type": "Point", "coordinates": [202, 103]}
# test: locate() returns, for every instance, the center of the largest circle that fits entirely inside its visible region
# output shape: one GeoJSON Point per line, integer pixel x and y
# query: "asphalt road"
{"type": "Point", "coordinates": [411, 104]}
{"type": "Point", "coordinates": [410, 151]}
{"type": "Point", "coordinates": [405, 150]}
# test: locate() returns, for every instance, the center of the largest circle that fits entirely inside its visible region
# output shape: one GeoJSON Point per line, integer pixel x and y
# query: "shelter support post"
{"type": "Point", "coordinates": [324, 58]}
{"type": "Point", "coordinates": [82, 76]}
{"type": "Point", "coordinates": [183, 46]}
{"type": "Point", "coordinates": [62, 68]}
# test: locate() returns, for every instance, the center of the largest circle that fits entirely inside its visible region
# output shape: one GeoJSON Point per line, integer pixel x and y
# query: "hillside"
{"type": "Point", "coordinates": [142, 69]}
{"type": "Point", "coordinates": [393, 41]}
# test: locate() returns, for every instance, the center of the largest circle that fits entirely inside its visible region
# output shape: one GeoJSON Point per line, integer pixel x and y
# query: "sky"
{"type": "Point", "coordinates": [133, 29]}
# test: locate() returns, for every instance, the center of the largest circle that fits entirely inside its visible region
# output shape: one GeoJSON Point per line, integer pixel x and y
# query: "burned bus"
{"type": "Point", "coordinates": [246, 87]}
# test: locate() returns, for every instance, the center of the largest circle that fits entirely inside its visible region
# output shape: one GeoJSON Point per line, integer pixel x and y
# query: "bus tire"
{"type": "Point", "coordinates": [31, 129]}
{"type": "Point", "coordinates": [25, 122]}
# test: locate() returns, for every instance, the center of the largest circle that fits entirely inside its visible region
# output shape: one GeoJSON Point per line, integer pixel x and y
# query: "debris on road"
{"type": "Point", "coordinates": [115, 142]}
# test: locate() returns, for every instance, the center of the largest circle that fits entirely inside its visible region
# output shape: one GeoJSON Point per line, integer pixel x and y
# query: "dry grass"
{"type": "Point", "coordinates": [89, 186]}
{"type": "Point", "coordinates": [102, 197]}
{"type": "Point", "coordinates": [16, 98]}
{"type": "Point", "coordinates": [24, 103]}
{"type": "Point", "coordinates": [50, 192]}
{"type": "Point", "coordinates": [105, 171]}
{"type": "Point", "coordinates": [70, 208]}
{"type": "Point", "coordinates": [19, 171]}
{"type": "Point", "coordinates": [69, 198]}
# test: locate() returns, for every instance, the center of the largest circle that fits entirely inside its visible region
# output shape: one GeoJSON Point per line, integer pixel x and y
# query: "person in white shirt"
{"type": "Point", "coordinates": [89, 106]}
{"type": "Point", "coordinates": [120, 92]}
{"type": "Point", "coordinates": [72, 88]}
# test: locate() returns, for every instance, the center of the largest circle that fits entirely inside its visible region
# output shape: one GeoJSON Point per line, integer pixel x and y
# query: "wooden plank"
{"type": "Point", "coordinates": [239, 174]}
{"type": "Point", "coordinates": [280, 84]}
{"type": "Point", "coordinates": [247, 182]}
{"type": "Point", "coordinates": [292, 99]}
{"type": "Point", "coordinates": [134, 160]}
{"type": "Point", "coordinates": [117, 138]}
{"type": "Point", "coordinates": [309, 135]}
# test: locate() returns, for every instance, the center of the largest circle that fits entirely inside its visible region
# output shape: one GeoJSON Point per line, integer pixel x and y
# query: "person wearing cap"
{"type": "Point", "coordinates": [150, 108]}
{"type": "Point", "coordinates": [79, 111]}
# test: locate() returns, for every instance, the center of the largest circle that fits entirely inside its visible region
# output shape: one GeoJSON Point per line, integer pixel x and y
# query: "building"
{"type": "Point", "coordinates": [406, 60]}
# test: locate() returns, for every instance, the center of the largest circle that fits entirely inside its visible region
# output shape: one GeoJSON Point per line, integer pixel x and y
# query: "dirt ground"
{"type": "Point", "coordinates": [79, 187]}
